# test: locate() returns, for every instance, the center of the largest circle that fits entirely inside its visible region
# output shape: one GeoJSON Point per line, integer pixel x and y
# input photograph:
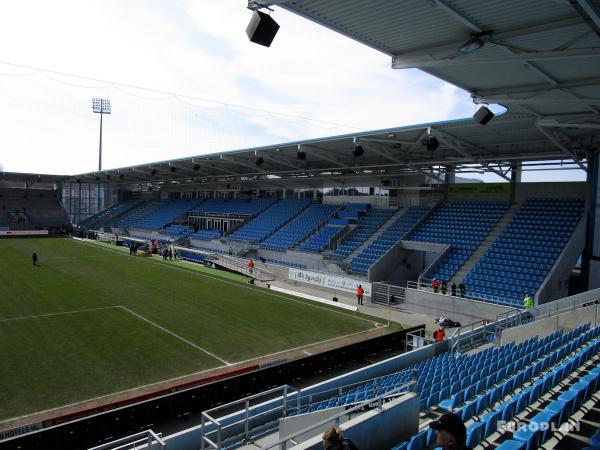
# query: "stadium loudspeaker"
{"type": "Point", "coordinates": [483, 115]}
{"type": "Point", "coordinates": [301, 155]}
{"type": "Point", "coordinates": [259, 161]}
{"type": "Point", "coordinates": [262, 29]}
{"type": "Point", "coordinates": [358, 150]}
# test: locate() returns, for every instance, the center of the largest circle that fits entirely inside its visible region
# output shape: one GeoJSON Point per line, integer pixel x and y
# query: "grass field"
{"type": "Point", "coordinates": [92, 320]}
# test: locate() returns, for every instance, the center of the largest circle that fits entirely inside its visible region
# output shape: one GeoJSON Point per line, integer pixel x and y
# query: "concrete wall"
{"type": "Point", "coordinates": [462, 310]}
{"type": "Point", "coordinates": [312, 261]}
{"type": "Point", "coordinates": [543, 327]}
{"type": "Point", "coordinates": [556, 284]}
{"type": "Point", "coordinates": [290, 425]}
{"type": "Point", "coordinates": [391, 266]}
{"type": "Point", "coordinates": [398, 263]}
{"type": "Point", "coordinates": [378, 429]}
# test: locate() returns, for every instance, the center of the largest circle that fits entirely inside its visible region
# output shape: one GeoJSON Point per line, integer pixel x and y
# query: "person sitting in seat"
{"type": "Point", "coordinates": [451, 432]}
{"type": "Point", "coordinates": [333, 440]}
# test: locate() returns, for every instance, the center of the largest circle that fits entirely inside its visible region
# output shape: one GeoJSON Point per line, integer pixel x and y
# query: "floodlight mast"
{"type": "Point", "coordinates": [100, 106]}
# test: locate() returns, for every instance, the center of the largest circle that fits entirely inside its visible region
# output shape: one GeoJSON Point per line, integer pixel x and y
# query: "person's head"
{"type": "Point", "coordinates": [332, 439]}
{"type": "Point", "coordinates": [360, 286]}
{"type": "Point", "coordinates": [450, 430]}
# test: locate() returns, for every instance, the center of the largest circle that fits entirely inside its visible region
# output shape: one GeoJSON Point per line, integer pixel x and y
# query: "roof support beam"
{"type": "Point", "coordinates": [591, 11]}
{"type": "Point", "coordinates": [533, 100]}
{"type": "Point", "coordinates": [322, 155]}
{"type": "Point", "coordinates": [451, 48]}
{"type": "Point", "coordinates": [461, 146]}
{"type": "Point", "coordinates": [540, 88]}
{"type": "Point", "coordinates": [377, 149]}
{"type": "Point", "coordinates": [454, 61]}
{"type": "Point", "coordinates": [279, 161]}
{"type": "Point", "coordinates": [553, 123]}
{"type": "Point", "coordinates": [556, 140]}
{"type": "Point", "coordinates": [457, 15]}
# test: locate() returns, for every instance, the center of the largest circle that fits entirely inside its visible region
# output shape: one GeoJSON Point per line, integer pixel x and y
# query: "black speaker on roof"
{"type": "Point", "coordinates": [262, 28]}
{"type": "Point", "coordinates": [483, 115]}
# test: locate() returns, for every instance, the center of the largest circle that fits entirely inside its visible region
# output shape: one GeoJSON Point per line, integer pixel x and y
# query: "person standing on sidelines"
{"type": "Point", "coordinates": [528, 300]}
{"type": "Point", "coordinates": [359, 294]}
{"type": "Point", "coordinates": [34, 258]}
{"type": "Point", "coordinates": [439, 335]}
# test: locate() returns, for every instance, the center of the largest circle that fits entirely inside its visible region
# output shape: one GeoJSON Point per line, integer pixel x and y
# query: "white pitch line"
{"type": "Point", "coordinates": [308, 353]}
{"type": "Point", "coordinates": [57, 314]}
{"type": "Point", "coordinates": [176, 335]}
{"type": "Point", "coordinates": [265, 291]}
{"type": "Point", "coordinates": [304, 346]}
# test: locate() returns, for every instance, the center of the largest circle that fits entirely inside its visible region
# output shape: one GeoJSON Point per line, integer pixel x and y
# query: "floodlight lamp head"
{"type": "Point", "coordinates": [259, 161]}
{"type": "Point", "coordinates": [475, 42]}
{"type": "Point", "coordinates": [101, 105]}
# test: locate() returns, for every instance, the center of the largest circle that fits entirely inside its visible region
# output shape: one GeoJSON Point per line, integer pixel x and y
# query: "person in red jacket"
{"type": "Point", "coordinates": [359, 294]}
{"type": "Point", "coordinates": [250, 266]}
{"type": "Point", "coordinates": [439, 335]}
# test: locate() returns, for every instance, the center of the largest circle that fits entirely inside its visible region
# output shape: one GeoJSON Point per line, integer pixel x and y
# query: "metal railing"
{"type": "Point", "coordinates": [224, 433]}
{"type": "Point", "coordinates": [565, 304]}
{"type": "Point", "coordinates": [388, 294]}
{"type": "Point", "coordinates": [141, 439]}
{"type": "Point", "coordinates": [426, 287]}
{"type": "Point", "coordinates": [283, 442]}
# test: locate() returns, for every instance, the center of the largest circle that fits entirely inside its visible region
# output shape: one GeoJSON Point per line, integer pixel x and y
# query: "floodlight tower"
{"type": "Point", "coordinates": [100, 106]}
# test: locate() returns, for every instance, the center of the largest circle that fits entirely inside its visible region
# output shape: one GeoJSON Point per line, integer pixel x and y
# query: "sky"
{"type": "Point", "coordinates": [184, 80]}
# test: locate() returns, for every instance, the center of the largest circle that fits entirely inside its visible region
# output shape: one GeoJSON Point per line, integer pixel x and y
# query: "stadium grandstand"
{"type": "Point", "coordinates": [241, 300]}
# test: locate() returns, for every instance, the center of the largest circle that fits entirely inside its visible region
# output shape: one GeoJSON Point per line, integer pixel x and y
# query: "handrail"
{"type": "Point", "coordinates": [219, 427]}
{"type": "Point", "coordinates": [336, 418]}
{"type": "Point", "coordinates": [426, 287]}
{"type": "Point", "coordinates": [149, 436]}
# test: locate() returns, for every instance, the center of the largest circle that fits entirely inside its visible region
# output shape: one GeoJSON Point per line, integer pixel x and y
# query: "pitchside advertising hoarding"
{"type": "Point", "coordinates": [23, 232]}
{"type": "Point", "coordinates": [329, 281]}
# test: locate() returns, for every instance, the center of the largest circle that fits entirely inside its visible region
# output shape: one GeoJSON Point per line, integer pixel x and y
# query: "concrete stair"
{"type": "Point", "coordinates": [485, 245]}
{"type": "Point", "coordinates": [375, 235]}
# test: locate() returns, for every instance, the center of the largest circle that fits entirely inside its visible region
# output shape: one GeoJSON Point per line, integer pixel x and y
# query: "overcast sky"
{"type": "Point", "coordinates": [244, 94]}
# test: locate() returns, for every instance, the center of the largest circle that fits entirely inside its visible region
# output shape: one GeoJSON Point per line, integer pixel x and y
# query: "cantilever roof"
{"type": "Point", "coordinates": [387, 153]}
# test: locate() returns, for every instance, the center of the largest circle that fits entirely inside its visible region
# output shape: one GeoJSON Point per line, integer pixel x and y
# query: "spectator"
{"type": "Point", "coordinates": [333, 440]}
{"type": "Point", "coordinates": [453, 289]}
{"type": "Point", "coordinates": [462, 289]}
{"type": "Point", "coordinates": [250, 266]}
{"type": "Point", "coordinates": [444, 287]}
{"type": "Point", "coordinates": [359, 294]}
{"type": "Point", "coordinates": [451, 432]}
{"type": "Point", "coordinates": [439, 335]}
{"type": "Point", "coordinates": [528, 301]}
{"type": "Point", "coordinates": [435, 285]}
{"type": "Point", "coordinates": [165, 253]}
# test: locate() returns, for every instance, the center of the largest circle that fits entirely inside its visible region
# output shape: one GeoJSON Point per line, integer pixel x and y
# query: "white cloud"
{"type": "Point", "coordinates": [192, 47]}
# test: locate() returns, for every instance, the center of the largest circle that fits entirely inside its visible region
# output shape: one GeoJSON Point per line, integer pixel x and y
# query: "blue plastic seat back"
{"type": "Point", "coordinates": [474, 433]}
{"type": "Point", "coordinates": [491, 423]}
{"type": "Point", "coordinates": [529, 435]}
{"type": "Point", "coordinates": [417, 442]}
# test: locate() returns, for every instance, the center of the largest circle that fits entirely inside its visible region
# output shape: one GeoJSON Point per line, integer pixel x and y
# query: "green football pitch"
{"type": "Point", "coordinates": [90, 320]}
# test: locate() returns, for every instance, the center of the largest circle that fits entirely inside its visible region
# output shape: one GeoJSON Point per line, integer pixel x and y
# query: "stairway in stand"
{"type": "Point", "coordinates": [485, 245]}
